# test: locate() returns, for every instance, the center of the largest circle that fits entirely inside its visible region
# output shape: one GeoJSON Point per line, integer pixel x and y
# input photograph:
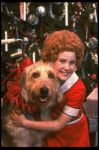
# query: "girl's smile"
{"type": "Point", "coordinates": [65, 65]}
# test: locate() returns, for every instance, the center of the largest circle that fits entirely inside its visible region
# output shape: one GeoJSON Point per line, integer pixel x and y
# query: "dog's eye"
{"type": "Point", "coordinates": [35, 75]}
{"type": "Point", "coordinates": [51, 75]}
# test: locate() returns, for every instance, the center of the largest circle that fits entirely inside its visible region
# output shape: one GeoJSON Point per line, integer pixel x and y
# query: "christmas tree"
{"type": "Point", "coordinates": [33, 21]}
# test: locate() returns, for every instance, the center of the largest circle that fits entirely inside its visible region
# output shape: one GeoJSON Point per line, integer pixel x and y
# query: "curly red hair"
{"type": "Point", "coordinates": [60, 41]}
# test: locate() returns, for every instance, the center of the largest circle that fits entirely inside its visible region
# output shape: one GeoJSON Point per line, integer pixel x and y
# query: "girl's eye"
{"type": "Point", "coordinates": [62, 60]}
{"type": "Point", "coordinates": [72, 62]}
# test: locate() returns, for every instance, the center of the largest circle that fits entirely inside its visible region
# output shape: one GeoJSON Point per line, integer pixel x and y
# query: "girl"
{"type": "Point", "coordinates": [69, 127]}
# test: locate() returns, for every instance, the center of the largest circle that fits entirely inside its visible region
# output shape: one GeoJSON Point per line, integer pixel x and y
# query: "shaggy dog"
{"type": "Point", "coordinates": [40, 86]}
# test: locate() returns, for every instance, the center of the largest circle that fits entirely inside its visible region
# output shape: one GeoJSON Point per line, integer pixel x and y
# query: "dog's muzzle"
{"type": "Point", "coordinates": [43, 94]}
{"type": "Point", "coordinates": [44, 90]}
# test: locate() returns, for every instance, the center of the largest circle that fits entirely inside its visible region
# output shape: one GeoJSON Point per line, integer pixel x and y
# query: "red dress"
{"type": "Point", "coordinates": [75, 133]}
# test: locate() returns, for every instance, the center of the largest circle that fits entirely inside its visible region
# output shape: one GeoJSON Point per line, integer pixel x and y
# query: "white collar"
{"type": "Point", "coordinates": [69, 83]}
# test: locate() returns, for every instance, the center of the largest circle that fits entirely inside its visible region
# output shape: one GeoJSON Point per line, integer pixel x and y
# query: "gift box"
{"type": "Point", "coordinates": [92, 104]}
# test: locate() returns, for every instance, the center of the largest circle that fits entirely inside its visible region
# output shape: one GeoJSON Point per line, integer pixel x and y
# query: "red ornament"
{"type": "Point", "coordinates": [97, 85]}
{"type": "Point", "coordinates": [93, 77]}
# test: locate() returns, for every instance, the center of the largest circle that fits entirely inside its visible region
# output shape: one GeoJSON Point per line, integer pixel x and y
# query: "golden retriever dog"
{"type": "Point", "coordinates": [39, 85]}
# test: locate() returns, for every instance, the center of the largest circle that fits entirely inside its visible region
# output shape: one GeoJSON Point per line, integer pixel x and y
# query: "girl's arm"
{"type": "Point", "coordinates": [49, 126]}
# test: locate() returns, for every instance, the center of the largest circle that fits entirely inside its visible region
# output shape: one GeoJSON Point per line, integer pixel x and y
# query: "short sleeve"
{"type": "Point", "coordinates": [74, 101]}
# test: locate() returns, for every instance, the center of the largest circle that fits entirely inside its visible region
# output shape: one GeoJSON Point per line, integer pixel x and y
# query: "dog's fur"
{"type": "Point", "coordinates": [40, 85]}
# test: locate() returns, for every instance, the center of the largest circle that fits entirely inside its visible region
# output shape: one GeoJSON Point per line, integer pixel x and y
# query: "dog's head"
{"type": "Point", "coordinates": [40, 85]}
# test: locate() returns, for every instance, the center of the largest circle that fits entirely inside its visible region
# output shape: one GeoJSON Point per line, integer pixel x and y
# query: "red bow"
{"type": "Point", "coordinates": [14, 96]}
{"type": "Point", "coordinates": [14, 89]}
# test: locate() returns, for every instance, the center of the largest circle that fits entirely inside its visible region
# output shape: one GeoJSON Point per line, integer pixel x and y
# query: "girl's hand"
{"type": "Point", "coordinates": [18, 118]}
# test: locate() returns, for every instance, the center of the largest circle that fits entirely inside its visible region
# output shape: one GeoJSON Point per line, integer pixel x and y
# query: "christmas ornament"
{"type": "Point", "coordinates": [92, 17]}
{"type": "Point", "coordinates": [93, 42]}
{"type": "Point", "coordinates": [46, 34]}
{"type": "Point", "coordinates": [34, 34]}
{"type": "Point", "coordinates": [33, 19]}
{"type": "Point", "coordinates": [40, 11]}
{"type": "Point", "coordinates": [96, 85]}
{"type": "Point", "coordinates": [93, 76]}
{"type": "Point", "coordinates": [78, 8]}
{"type": "Point", "coordinates": [79, 5]}
{"type": "Point", "coordinates": [74, 19]}
{"type": "Point", "coordinates": [94, 57]}
{"type": "Point", "coordinates": [95, 12]}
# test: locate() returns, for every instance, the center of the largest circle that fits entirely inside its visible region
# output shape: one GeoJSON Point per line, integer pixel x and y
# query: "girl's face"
{"type": "Point", "coordinates": [65, 65]}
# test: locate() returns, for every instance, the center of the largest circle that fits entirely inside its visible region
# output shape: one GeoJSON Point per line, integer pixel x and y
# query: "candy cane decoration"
{"type": "Point", "coordinates": [86, 32]}
{"type": "Point", "coordinates": [21, 10]}
{"type": "Point", "coordinates": [46, 34]}
{"type": "Point", "coordinates": [74, 19]}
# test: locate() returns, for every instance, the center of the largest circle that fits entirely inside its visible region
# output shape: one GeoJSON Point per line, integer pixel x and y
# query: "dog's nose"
{"type": "Point", "coordinates": [44, 90]}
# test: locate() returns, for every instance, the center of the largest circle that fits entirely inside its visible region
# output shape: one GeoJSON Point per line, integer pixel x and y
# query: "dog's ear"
{"type": "Point", "coordinates": [23, 79]}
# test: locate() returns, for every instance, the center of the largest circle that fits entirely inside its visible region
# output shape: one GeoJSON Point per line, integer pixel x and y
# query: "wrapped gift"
{"type": "Point", "coordinates": [92, 104]}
